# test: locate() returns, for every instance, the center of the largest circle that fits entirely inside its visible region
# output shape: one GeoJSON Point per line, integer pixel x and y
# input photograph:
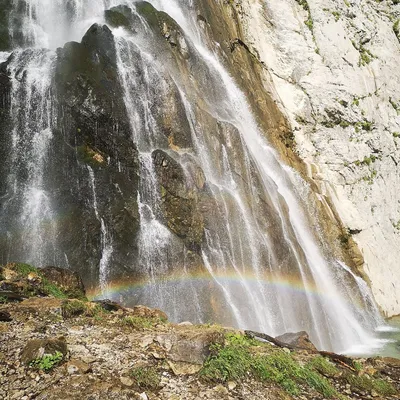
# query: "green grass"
{"type": "Point", "coordinates": [323, 366]}
{"type": "Point", "coordinates": [3, 300]}
{"type": "Point", "coordinates": [366, 383]}
{"type": "Point", "coordinates": [138, 322]}
{"type": "Point", "coordinates": [235, 361]}
{"type": "Point", "coordinates": [146, 377]}
{"type": "Point", "coordinates": [25, 269]}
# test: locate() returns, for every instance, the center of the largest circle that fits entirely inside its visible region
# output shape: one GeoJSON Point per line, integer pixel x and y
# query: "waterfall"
{"type": "Point", "coordinates": [223, 232]}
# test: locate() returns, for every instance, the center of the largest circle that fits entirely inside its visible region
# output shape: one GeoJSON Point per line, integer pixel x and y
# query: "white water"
{"type": "Point", "coordinates": [240, 168]}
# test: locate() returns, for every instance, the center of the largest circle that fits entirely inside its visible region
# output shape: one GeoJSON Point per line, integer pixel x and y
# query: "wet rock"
{"type": "Point", "coordinates": [96, 137]}
{"type": "Point", "coordinates": [297, 339]}
{"type": "Point", "coordinates": [163, 24]}
{"type": "Point", "coordinates": [180, 199]}
{"type": "Point", "coordinates": [121, 15]}
{"type": "Point", "coordinates": [69, 281]}
{"type": "Point", "coordinates": [108, 305]}
{"type": "Point", "coordinates": [5, 37]}
{"type": "Point", "coordinates": [37, 348]}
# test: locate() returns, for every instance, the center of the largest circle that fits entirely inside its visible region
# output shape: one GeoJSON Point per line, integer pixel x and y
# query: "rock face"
{"type": "Point", "coordinates": [93, 118]}
{"type": "Point", "coordinates": [333, 69]}
{"type": "Point", "coordinates": [67, 281]}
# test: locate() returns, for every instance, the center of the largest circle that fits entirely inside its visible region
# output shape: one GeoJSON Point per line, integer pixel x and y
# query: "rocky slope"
{"type": "Point", "coordinates": [332, 67]}
{"type": "Point", "coordinates": [55, 347]}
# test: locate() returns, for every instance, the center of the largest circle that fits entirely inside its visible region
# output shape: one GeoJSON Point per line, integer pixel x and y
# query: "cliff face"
{"type": "Point", "coordinates": [155, 153]}
{"type": "Point", "coordinates": [333, 69]}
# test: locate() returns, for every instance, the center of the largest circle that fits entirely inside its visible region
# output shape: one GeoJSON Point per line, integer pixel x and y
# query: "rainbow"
{"type": "Point", "coordinates": [292, 285]}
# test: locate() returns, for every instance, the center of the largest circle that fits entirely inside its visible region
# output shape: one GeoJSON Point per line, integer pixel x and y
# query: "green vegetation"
{"type": "Point", "coordinates": [395, 105]}
{"type": "Point", "coordinates": [138, 322]}
{"type": "Point", "coordinates": [367, 383]}
{"type": "Point", "coordinates": [309, 21]}
{"type": "Point", "coordinates": [396, 29]}
{"type": "Point", "coordinates": [323, 366]}
{"type": "Point", "coordinates": [74, 308]}
{"type": "Point", "coordinates": [90, 156]}
{"type": "Point", "coordinates": [3, 300]}
{"type": "Point", "coordinates": [366, 161]}
{"type": "Point", "coordinates": [235, 360]}
{"type": "Point", "coordinates": [24, 269]}
{"type": "Point", "coordinates": [47, 362]}
{"type": "Point", "coordinates": [396, 134]}
{"type": "Point", "coordinates": [365, 56]}
{"type": "Point", "coordinates": [146, 377]}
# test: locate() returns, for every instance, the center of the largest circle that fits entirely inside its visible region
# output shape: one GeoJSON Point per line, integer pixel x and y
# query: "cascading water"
{"type": "Point", "coordinates": [223, 233]}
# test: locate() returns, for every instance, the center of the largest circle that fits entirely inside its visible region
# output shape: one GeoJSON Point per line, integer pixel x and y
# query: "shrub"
{"type": "Point", "coordinates": [47, 362]}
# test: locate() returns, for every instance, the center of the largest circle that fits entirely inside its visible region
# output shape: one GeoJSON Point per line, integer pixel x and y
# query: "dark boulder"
{"type": "Point", "coordinates": [5, 316]}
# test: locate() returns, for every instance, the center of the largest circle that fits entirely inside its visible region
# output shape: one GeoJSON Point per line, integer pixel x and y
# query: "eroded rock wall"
{"type": "Point", "coordinates": [333, 69]}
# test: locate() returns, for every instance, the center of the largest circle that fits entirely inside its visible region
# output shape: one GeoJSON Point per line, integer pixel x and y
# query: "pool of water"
{"type": "Point", "coordinates": [385, 344]}
{"type": "Point", "coordinates": [391, 334]}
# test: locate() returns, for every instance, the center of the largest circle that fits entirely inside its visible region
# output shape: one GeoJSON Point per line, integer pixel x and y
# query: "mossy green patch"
{"type": "Point", "coordinates": [236, 360]}
{"type": "Point", "coordinates": [366, 383]}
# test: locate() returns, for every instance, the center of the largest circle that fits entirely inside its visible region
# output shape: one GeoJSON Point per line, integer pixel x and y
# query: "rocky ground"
{"type": "Point", "coordinates": [55, 347]}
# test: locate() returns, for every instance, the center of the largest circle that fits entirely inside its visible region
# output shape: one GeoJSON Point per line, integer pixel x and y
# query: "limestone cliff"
{"type": "Point", "coordinates": [332, 67]}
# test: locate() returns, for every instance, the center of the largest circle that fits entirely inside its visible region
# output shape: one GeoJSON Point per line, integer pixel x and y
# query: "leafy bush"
{"type": "Point", "coordinates": [47, 362]}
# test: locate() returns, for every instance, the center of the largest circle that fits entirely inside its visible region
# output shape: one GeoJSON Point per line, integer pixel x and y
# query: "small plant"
{"type": "Point", "coordinates": [365, 56]}
{"type": "Point", "coordinates": [47, 362]}
{"type": "Point", "coordinates": [146, 377]}
{"type": "Point", "coordinates": [3, 300]}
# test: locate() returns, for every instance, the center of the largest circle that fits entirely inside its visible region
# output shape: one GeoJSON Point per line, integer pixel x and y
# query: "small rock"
{"type": "Point", "coordinates": [143, 396]}
{"type": "Point", "coordinates": [5, 316]}
{"type": "Point", "coordinates": [220, 389]}
{"type": "Point", "coordinates": [126, 381]}
{"type": "Point", "coordinates": [185, 323]}
{"type": "Point", "coordinates": [231, 385]}
{"type": "Point", "coordinates": [297, 339]}
{"type": "Point", "coordinates": [78, 367]}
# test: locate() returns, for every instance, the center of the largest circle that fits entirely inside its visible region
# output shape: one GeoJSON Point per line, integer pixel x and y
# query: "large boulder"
{"type": "Point", "coordinates": [37, 348]}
